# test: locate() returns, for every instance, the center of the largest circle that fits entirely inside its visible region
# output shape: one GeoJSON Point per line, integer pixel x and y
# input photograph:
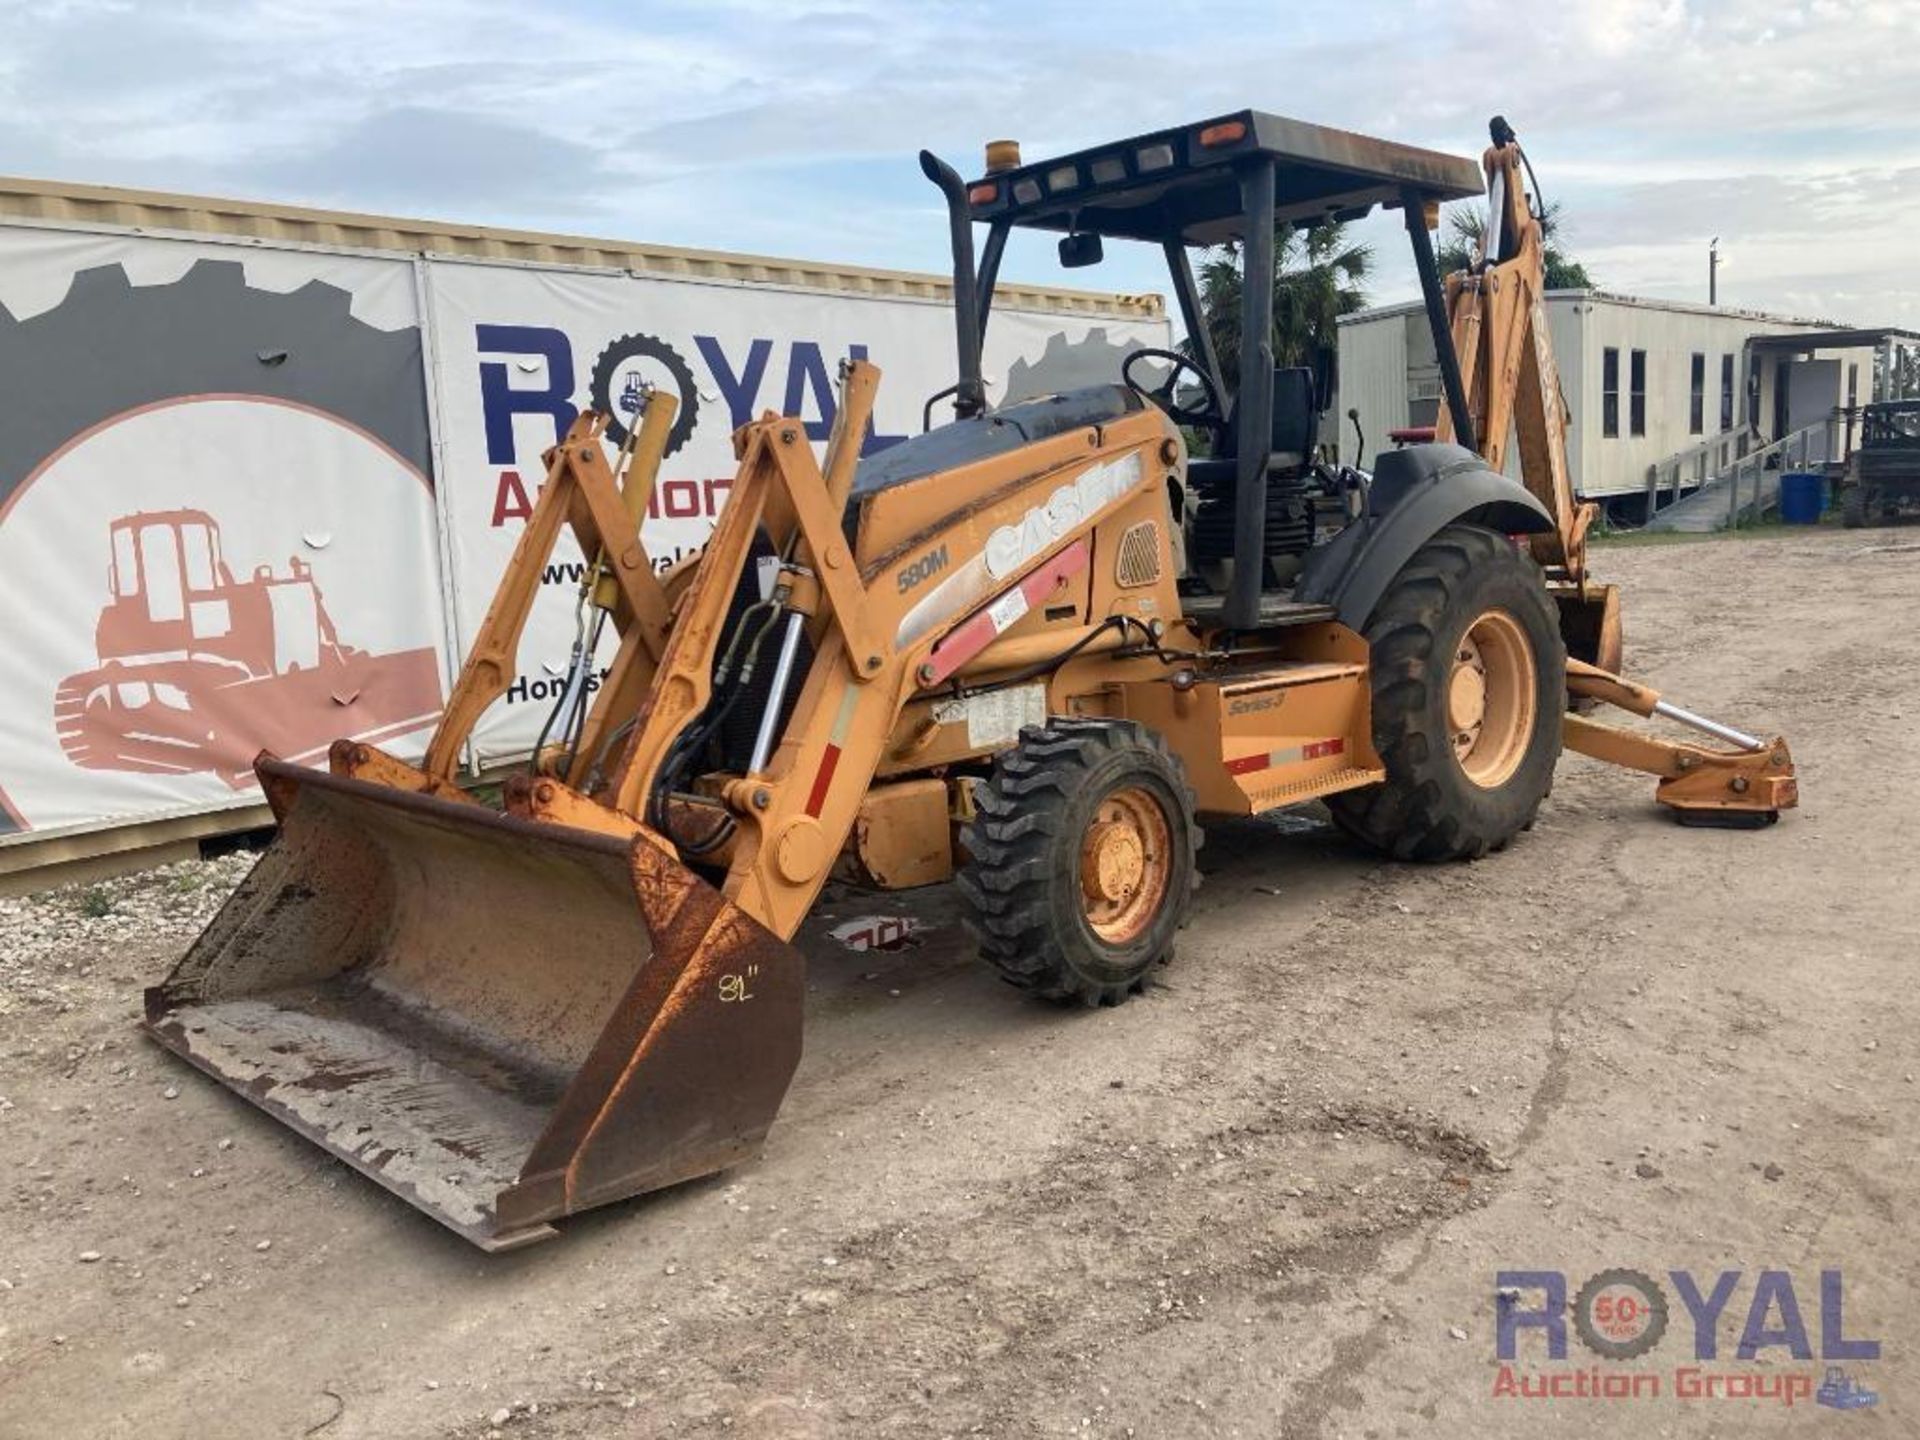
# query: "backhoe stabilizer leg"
{"type": "Point", "coordinates": [1749, 784]}
{"type": "Point", "coordinates": [1703, 786]}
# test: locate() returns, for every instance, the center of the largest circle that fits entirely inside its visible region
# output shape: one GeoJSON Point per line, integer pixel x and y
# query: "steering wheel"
{"type": "Point", "coordinates": [1212, 415]}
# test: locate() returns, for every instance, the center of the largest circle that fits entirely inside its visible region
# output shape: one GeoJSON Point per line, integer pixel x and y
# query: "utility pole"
{"type": "Point", "coordinates": [1713, 271]}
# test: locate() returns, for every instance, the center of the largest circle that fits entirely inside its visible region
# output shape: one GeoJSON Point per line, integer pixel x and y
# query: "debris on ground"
{"type": "Point", "coordinates": [151, 910]}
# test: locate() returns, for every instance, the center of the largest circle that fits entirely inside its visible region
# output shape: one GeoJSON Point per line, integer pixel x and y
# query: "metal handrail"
{"type": "Point", "coordinates": [1790, 452]}
{"type": "Point", "coordinates": [1708, 459]}
{"type": "Point", "coordinates": [1708, 445]}
{"type": "Point", "coordinates": [1802, 439]}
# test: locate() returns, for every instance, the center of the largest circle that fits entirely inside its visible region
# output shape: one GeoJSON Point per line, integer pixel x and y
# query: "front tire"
{"type": "Point", "coordinates": [1081, 859]}
{"type": "Point", "coordinates": [1468, 675]}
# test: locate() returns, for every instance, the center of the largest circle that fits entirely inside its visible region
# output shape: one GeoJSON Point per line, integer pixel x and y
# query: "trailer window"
{"type": "Point", "coordinates": [1726, 392]}
{"type": "Point", "coordinates": [1610, 391]}
{"type": "Point", "coordinates": [1637, 378]}
{"type": "Point", "coordinates": [1697, 396]}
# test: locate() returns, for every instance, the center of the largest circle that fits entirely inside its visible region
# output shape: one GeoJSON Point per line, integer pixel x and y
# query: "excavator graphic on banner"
{"type": "Point", "coordinates": [197, 670]}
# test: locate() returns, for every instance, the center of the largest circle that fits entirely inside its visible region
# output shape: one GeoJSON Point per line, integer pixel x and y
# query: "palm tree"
{"type": "Point", "coordinates": [1467, 223]}
{"type": "Point", "coordinates": [1318, 275]}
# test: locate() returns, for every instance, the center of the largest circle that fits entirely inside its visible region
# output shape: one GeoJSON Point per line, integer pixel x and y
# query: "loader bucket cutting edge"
{"type": "Point", "coordinates": [502, 1022]}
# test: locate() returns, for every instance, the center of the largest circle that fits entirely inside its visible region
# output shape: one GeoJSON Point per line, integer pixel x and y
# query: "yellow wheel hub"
{"type": "Point", "coordinates": [1125, 860]}
{"type": "Point", "coordinates": [1491, 699]}
{"type": "Point", "coordinates": [1115, 862]}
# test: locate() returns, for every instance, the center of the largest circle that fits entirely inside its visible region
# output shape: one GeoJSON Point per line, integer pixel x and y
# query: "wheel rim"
{"type": "Point", "coordinates": [1126, 857]}
{"type": "Point", "coordinates": [1490, 699]}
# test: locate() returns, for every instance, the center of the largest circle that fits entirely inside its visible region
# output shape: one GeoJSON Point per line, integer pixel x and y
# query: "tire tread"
{"type": "Point", "coordinates": [1021, 819]}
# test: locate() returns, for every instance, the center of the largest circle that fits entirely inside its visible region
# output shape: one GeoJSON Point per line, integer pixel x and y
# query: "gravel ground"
{"type": "Point", "coordinates": [50, 941]}
{"type": "Point", "coordinates": [1270, 1197]}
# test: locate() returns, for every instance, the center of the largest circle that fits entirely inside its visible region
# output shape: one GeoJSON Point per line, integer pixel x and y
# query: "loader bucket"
{"type": "Point", "coordinates": [502, 1022]}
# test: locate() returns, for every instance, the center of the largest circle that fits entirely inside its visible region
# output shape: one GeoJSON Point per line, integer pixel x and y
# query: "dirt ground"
{"type": "Point", "coordinates": [1270, 1197]}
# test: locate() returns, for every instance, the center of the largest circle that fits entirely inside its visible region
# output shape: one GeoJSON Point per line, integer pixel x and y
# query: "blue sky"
{"type": "Point", "coordinates": [790, 129]}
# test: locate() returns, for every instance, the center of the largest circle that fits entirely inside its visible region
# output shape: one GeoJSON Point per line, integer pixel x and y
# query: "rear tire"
{"type": "Point", "coordinates": [1853, 507]}
{"type": "Point", "coordinates": [1081, 859]}
{"type": "Point", "coordinates": [1469, 756]}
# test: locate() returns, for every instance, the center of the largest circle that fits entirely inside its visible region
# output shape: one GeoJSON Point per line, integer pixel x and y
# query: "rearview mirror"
{"type": "Point", "coordinates": [1077, 251]}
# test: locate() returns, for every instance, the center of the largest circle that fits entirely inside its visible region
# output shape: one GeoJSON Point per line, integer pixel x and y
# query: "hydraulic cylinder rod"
{"type": "Point", "coordinates": [1598, 684]}
{"type": "Point", "coordinates": [1709, 727]}
{"type": "Point", "coordinates": [777, 697]}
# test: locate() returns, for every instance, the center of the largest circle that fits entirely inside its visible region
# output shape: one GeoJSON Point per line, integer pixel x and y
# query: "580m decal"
{"type": "Point", "coordinates": [927, 565]}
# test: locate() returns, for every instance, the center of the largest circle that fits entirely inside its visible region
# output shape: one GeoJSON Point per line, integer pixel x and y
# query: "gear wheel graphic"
{"type": "Point", "coordinates": [644, 347]}
{"type": "Point", "coordinates": [1065, 364]}
{"type": "Point", "coordinates": [1652, 1297]}
{"type": "Point", "coordinates": [111, 346]}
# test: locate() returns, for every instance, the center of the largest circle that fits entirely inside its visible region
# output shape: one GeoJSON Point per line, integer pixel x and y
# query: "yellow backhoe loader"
{"type": "Point", "coordinates": [1025, 649]}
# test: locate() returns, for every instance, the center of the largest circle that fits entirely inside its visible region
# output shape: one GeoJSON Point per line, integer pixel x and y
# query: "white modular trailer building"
{"type": "Point", "coordinates": [262, 466]}
{"type": "Point", "coordinates": [1646, 381]}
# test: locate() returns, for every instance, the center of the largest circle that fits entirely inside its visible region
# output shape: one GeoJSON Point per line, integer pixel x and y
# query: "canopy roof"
{"type": "Point", "coordinates": [1183, 183]}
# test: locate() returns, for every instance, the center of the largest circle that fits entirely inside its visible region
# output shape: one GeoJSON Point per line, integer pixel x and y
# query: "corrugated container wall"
{"type": "Point", "coordinates": [1373, 382]}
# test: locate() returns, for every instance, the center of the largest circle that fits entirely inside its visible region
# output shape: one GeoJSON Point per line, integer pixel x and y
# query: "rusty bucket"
{"type": "Point", "coordinates": [500, 1021]}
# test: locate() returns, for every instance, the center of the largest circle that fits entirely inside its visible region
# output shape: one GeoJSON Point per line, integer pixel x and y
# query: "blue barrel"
{"type": "Point", "coordinates": [1803, 495]}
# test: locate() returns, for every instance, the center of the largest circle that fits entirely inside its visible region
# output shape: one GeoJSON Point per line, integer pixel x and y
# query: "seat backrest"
{"type": "Point", "coordinates": [1296, 419]}
{"type": "Point", "coordinates": [1296, 415]}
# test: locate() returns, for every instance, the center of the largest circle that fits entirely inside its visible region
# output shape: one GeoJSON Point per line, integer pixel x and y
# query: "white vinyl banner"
{"type": "Point", "coordinates": [519, 351]}
{"type": "Point", "coordinates": [217, 526]}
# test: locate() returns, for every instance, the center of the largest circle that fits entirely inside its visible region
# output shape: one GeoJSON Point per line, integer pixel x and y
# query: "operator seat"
{"type": "Point", "coordinates": [1214, 518]}
{"type": "Point", "coordinates": [1295, 431]}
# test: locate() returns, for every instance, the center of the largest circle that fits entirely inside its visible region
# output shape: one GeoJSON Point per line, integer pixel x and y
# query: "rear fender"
{"type": "Point", "coordinates": [1416, 493]}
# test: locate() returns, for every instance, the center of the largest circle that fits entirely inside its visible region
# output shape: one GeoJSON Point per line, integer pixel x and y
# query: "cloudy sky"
{"type": "Point", "coordinates": [789, 128]}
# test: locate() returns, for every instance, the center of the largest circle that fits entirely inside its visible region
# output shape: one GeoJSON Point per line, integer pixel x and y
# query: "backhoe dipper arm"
{"type": "Point", "coordinates": [1499, 325]}
{"type": "Point", "coordinates": [1497, 313]}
